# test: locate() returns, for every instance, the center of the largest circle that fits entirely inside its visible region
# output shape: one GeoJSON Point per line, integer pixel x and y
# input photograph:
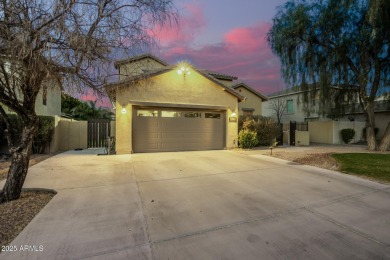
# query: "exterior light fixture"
{"type": "Point", "coordinates": [184, 69]}
{"type": "Point", "coordinates": [233, 114]}
{"type": "Point", "coordinates": [124, 111]}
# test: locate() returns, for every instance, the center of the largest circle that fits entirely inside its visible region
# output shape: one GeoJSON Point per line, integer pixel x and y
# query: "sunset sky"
{"type": "Point", "coordinates": [227, 36]}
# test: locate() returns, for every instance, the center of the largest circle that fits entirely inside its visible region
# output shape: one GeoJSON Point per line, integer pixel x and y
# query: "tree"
{"type": "Point", "coordinates": [68, 42]}
{"type": "Point", "coordinates": [337, 44]}
{"type": "Point", "coordinates": [278, 106]}
{"type": "Point", "coordinates": [83, 110]}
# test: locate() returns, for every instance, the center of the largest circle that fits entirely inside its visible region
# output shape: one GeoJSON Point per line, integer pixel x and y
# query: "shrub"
{"type": "Point", "coordinates": [247, 139]}
{"type": "Point", "coordinates": [16, 125]}
{"type": "Point", "coordinates": [347, 134]}
{"type": "Point", "coordinates": [267, 131]}
{"type": "Point", "coordinates": [265, 127]}
{"type": "Point", "coordinates": [44, 134]}
{"type": "Point", "coordinates": [42, 137]}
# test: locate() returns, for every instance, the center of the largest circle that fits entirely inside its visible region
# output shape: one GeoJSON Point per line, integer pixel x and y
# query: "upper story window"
{"type": "Point", "coordinates": [290, 106]}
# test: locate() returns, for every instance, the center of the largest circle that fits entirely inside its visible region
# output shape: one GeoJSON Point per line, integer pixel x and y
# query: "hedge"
{"type": "Point", "coordinates": [42, 138]}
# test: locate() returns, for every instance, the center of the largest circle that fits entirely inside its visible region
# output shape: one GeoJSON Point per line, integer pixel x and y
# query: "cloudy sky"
{"type": "Point", "coordinates": [227, 36]}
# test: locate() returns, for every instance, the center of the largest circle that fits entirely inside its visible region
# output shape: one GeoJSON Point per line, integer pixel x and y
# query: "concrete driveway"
{"type": "Point", "coordinates": [203, 205]}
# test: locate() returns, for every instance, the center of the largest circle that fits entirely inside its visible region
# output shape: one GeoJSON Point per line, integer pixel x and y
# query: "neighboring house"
{"type": "Point", "coordinates": [295, 107]}
{"type": "Point", "coordinates": [253, 103]}
{"type": "Point", "coordinates": [172, 108]}
{"type": "Point", "coordinates": [48, 102]}
{"type": "Point", "coordinates": [300, 111]}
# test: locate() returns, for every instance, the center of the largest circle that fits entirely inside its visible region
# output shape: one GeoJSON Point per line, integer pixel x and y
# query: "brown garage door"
{"type": "Point", "coordinates": [161, 130]}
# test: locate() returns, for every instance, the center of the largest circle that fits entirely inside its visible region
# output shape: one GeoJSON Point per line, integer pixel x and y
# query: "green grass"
{"type": "Point", "coordinates": [373, 166]}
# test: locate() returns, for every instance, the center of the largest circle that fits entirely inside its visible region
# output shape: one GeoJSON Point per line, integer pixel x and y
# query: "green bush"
{"type": "Point", "coordinates": [347, 135]}
{"type": "Point", "coordinates": [247, 139]}
{"type": "Point", "coordinates": [265, 127]}
{"type": "Point", "coordinates": [16, 125]}
{"type": "Point", "coordinates": [44, 134]}
{"type": "Point", "coordinates": [42, 137]}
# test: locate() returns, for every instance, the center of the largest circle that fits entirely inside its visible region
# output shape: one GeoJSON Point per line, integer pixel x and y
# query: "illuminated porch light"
{"type": "Point", "coordinates": [184, 69]}
{"type": "Point", "coordinates": [124, 111]}
{"type": "Point", "coordinates": [233, 114]}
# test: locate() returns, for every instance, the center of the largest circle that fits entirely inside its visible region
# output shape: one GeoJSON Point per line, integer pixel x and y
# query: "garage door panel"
{"type": "Point", "coordinates": [193, 136]}
{"type": "Point", "coordinates": [154, 134]}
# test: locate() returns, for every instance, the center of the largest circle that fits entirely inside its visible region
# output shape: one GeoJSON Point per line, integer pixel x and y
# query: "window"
{"type": "Point", "coordinates": [290, 106]}
{"type": "Point", "coordinates": [147, 113]}
{"type": "Point", "coordinates": [247, 113]}
{"type": "Point", "coordinates": [213, 115]}
{"type": "Point", "coordinates": [170, 114]}
{"type": "Point", "coordinates": [192, 114]}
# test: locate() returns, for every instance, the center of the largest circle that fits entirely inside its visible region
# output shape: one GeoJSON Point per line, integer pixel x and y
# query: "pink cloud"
{"type": "Point", "coordinates": [189, 24]}
{"type": "Point", "coordinates": [243, 52]}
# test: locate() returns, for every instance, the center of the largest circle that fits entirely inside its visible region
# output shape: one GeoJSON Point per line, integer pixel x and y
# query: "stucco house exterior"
{"type": "Point", "coordinates": [322, 125]}
{"type": "Point", "coordinates": [296, 109]}
{"type": "Point", "coordinates": [253, 103]}
{"type": "Point", "coordinates": [162, 107]}
{"type": "Point", "coordinates": [48, 102]}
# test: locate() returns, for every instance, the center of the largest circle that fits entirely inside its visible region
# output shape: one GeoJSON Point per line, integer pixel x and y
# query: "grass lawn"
{"type": "Point", "coordinates": [373, 166]}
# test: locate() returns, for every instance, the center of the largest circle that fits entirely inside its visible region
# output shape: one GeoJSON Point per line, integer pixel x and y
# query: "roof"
{"type": "Point", "coordinates": [112, 86]}
{"type": "Point", "coordinates": [242, 84]}
{"type": "Point", "coordinates": [218, 75]}
{"type": "Point", "coordinates": [284, 92]}
{"type": "Point", "coordinates": [314, 86]}
{"type": "Point", "coordinates": [139, 57]}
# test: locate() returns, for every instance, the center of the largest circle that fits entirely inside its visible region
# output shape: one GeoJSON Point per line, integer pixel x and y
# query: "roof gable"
{"type": "Point", "coordinates": [243, 85]}
{"type": "Point", "coordinates": [110, 88]}
{"type": "Point", "coordinates": [140, 57]}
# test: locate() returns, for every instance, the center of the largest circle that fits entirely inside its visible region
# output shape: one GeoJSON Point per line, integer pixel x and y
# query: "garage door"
{"type": "Point", "coordinates": [161, 130]}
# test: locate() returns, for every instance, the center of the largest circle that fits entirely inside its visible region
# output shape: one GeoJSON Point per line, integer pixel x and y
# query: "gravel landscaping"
{"type": "Point", "coordinates": [15, 215]}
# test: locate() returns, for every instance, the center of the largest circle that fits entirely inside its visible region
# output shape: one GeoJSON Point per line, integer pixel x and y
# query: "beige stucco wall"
{"type": "Point", "coordinates": [301, 138]}
{"type": "Point", "coordinates": [53, 102]}
{"type": "Point", "coordinates": [72, 134]}
{"type": "Point", "coordinates": [339, 125]}
{"type": "Point", "coordinates": [321, 132]}
{"type": "Point", "coordinates": [252, 101]}
{"type": "Point", "coordinates": [136, 67]}
{"type": "Point", "coordinates": [172, 88]}
{"type": "Point", "coordinates": [329, 132]}
{"type": "Point", "coordinates": [381, 121]}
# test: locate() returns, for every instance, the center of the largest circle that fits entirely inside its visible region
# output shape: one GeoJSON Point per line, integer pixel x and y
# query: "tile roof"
{"type": "Point", "coordinates": [218, 75]}
{"type": "Point", "coordinates": [242, 84]}
{"type": "Point", "coordinates": [139, 57]}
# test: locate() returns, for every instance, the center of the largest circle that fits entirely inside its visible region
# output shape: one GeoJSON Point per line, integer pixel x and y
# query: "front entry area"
{"type": "Point", "coordinates": [171, 129]}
